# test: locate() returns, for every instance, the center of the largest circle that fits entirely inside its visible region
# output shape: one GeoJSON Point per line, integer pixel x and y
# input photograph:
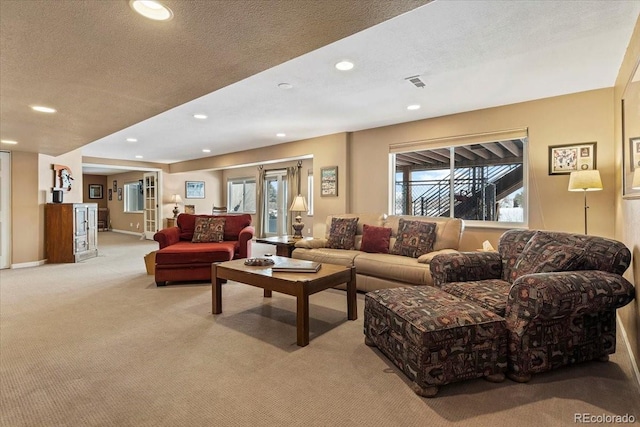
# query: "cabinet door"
{"type": "Point", "coordinates": [80, 228]}
{"type": "Point", "coordinates": [92, 227]}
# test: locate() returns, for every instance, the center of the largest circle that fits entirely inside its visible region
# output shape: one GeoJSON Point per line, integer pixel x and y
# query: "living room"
{"type": "Point", "coordinates": [550, 121]}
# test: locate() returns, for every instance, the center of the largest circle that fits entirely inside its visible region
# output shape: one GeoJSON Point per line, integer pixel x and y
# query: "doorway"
{"type": "Point", "coordinates": [150, 219]}
{"type": "Point", "coordinates": [275, 209]}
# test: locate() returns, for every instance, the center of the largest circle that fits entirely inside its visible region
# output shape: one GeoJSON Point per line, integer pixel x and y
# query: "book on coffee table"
{"type": "Point", "coordinates": [291, 265]}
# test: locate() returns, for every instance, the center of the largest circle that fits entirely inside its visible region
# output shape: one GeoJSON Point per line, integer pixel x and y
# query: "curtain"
{"type": "Point", "coordinates": [292, 185]}
{"type": "Point", "coordinates": [260, 202]}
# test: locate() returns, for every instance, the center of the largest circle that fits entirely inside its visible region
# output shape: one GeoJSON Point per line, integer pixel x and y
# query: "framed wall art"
{"type": "Point", "coordinates": [190, 209]}
{"type": "Point", "coordinates": [564, 159]}
{"type": "Point", "coordinates": [115, 185]}
{"type": "Point", "coordinates": [110, 194]}
{"type": "Point", "coordinates": [95, 191]}
{"type": "Point", "coordinates": [120, 194]}
{"type": "Point", "coordinates": [329, 181]}
{"type": "Point", "coordinates": [194, 189]}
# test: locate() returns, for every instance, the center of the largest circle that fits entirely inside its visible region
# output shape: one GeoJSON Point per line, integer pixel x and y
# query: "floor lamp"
{"type": "Point", "coordinates": [584, 181]}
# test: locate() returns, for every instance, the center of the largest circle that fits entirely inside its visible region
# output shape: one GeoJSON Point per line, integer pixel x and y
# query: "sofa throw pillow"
{"type": "Point", "coordinates": [375, 239]}
{"type": "Point", "coordinates": [208, 230]}
{"type": "Point", "coordinates": [342, 234]}
{"type": "Point", "coordinates": [544, 254]}
{"type": "Point", "coordinates": [414, 238]}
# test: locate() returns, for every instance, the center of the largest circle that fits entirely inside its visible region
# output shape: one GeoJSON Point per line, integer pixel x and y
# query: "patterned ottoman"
{"type": "Point", "coordinates": [435, 338]}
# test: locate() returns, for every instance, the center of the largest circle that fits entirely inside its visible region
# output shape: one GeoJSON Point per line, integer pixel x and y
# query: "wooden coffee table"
{"type": "Point", "coordinates": [299, 285]}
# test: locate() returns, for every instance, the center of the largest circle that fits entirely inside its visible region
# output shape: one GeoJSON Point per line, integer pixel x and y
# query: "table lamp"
{"type": "Point", "coordinates": [299, 205]}
{"type": "Point", "coordinates": [588, 180]}
{"type": "Point", "coordinates": [176, 199]}
{"type": "Point", "coordinates": [635, 184]}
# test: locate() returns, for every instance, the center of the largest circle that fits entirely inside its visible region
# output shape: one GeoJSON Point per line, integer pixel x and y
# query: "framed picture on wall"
{"type": "Point", "coordinates": [194, 189]}
{"type": "Point", "coordinates": [564, 159]}
{"type": "Point", "coordinates": [190, 209]}
{"type": "Point", "coordinates": [110, 194]}
{"type": "Point", "coordinates": [115, 185]}
{"type": "Point", "coordinates": [120, 194]}
{"type": "Point", "coordinates": [95, 191]}
{"type": "Point", "coordinates": [329, 181]}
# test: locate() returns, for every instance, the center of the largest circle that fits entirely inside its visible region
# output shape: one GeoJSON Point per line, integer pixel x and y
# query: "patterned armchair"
{"type": "Point", "coordinates": [557, 291]}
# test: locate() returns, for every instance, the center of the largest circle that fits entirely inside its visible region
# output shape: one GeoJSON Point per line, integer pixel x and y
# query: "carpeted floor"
{"type": "Point", "coordinates": [98, 344]}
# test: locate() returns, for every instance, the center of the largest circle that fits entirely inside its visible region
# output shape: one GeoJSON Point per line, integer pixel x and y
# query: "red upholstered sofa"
{"type": "Point", "coordinates": [179, 259]}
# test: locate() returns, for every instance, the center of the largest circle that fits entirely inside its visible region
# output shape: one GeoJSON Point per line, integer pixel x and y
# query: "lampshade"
{"type": "Point", "coordinates": [588, 180]}
{"type": "Point", "coordinates": [635, 184]}
{"type": "Point", "coordinates": [175, 198]}
{"type": "Point", "coordinates": [299, 204]}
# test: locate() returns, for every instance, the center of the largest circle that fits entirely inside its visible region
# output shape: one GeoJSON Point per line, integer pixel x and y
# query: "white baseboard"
{"type": "Point", "coordinates": [634, 365]}
{"type": "Point", "coordinates": [29, 264]}
{"type": "Point", "coordinates": [133, 233]}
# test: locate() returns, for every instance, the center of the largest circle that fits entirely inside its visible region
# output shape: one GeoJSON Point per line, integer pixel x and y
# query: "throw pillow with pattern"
{"type": "Point", "coordinates": [342, 234]}
{"type": "Point", "coordinates": [414, 238]}
{"type": "Point", "coordinates": [208, 229]}
{"type": "Point", "coordinates": [543, 254]}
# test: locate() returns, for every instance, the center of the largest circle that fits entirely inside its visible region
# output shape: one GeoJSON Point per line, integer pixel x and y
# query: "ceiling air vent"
{"type": "Point", "coordinates": [415, 80]}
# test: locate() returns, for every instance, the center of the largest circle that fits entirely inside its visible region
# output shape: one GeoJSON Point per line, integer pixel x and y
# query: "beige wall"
{"type": "Point", "coordinates": [174, 183]}
{"type": "Point", "coordinates": [27, 240]}
{"type": "Point", "coordinates": [628, 210]}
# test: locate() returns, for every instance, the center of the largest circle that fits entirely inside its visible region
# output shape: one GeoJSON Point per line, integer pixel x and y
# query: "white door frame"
{"type": "Point", "coordinates": [150, 217]}
{"type": "Point", "coordinates": [5, 209]}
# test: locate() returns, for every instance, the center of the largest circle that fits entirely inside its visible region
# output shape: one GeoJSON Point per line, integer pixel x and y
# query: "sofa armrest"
{"type": "Point", "coordinates": [244, 239]}
{"type": "Point", "coordinates": [465, 267]}
{"type": "Point", "coordinates": [559, 294]}
{"type": "Point", "coordinates": [426, 258]}
{"type": "Point", "coordinates": [311, 244]}
{"type": "Point", "coordinates": [167, 236]}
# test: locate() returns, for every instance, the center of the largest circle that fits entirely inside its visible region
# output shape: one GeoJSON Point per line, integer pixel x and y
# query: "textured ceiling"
{"type": "Point", "coordinates": [104, 67]}
{"type": "Point", "coordinates": [114, 75]}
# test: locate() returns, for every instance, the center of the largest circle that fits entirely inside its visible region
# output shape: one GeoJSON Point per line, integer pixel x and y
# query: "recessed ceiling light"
{"type": "Point", "coordinates": [344, 65]}
{"type": "Point", "coordinates": [8, 141]}
{"type": "Point", "coordinates": [285, 85]}
{"type": "Point", "coordinates": [206, 150]}
{"type": "Point", "coordinates": [151, 9]}
{"type": "Point", "coordinates": [138, 157]}
{"type": "Point", "coordinates": [132, 140]}
{"type": "Point", "coordinates": [281, 135]}
{"type": "Point", "coordinates": [42, 109]}
{"type": "Point", "coordinates": [200, 116]}
{"type": "Point", "coordinates": [413, 107]}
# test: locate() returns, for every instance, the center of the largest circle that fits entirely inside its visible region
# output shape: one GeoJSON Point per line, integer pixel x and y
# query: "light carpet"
{"type": "Point", "coordinates": [98, 344]}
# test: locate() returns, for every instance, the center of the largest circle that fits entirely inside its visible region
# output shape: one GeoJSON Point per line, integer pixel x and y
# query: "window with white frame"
{"type": "Point", "coordinates": [476, 181]}
{"type": "Point", "coordinates": [310, 192]}
{"type": "Point", "coordinates": [241, 195]}
{"type": "Point", "coordinates": [133, 197]}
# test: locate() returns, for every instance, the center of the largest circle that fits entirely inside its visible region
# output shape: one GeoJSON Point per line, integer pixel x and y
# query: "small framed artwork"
{"type": "Point", "coordinates": [194, 189]}
{"type": "Point", "coordinates": [329, 181]}
{"type": "Point", "coordinates": [115, 185]}
{"type": "Point", "coordinates": [120, 194]}
{"type": "Point", "coordinates": [95, 191]}
{"type": "Point", "coordinates": [564, 159]}
{"type": "Point", "coordinates": [190, 209]}
{"type": "Point", "coordinates": [110, 194]}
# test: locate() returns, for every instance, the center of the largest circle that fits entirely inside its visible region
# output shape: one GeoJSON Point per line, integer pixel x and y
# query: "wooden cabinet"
{"type": "Point", "coordinates": [71, 232]}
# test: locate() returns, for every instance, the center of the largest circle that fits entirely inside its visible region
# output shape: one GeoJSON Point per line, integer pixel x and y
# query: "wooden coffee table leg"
{"type": "Point", "coordinates": [216, 292]}
{"type": "Point", "coordinates": [267, 293]}
{"type": "Point", "coordinates": [352, 299]}
{"type": "Point", "coordinates": [302, 320]}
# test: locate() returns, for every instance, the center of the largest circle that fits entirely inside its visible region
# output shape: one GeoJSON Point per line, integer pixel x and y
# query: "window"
{"type": "Point", "coordinates": [473, 181]}
{"type": "Point", "coordinates": [310, 192]}
{"type": "Point", "coordinates": [133, 197]}
{"type": "Point", "coordinates": [241, 195]}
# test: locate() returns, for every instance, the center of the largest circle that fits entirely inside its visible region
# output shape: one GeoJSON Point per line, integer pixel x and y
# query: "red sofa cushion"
{"type": "Point", "coordinates": [232, 227]}
{"type": "Point", "coordinates": [185, 252]}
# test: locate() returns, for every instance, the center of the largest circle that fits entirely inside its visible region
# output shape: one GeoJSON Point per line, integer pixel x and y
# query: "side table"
{"type": "Point", "coordinates": [284, 244]}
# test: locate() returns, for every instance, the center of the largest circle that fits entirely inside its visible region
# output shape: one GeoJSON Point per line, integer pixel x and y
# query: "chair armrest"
{"type": "Point", "coordinates": [167, 236]}
{"type": "Point", "coordinates": [465, 267]}
{"type": "Point", "coordinates": [559, 294]}
{"type": "Point", "coordinates": [311, 244]}
{"type": "Point", "coordinates": [244, 239]}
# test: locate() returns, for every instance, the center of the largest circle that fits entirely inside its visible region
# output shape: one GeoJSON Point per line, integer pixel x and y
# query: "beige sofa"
{"type": "Point", "coordinates": [378, 270]}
